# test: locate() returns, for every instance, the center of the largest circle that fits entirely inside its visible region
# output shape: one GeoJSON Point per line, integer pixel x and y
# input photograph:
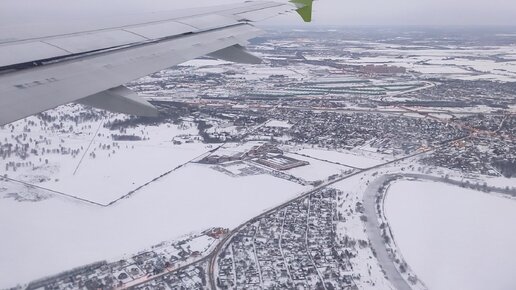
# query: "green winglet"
{"type": "Point", "coordinates": [304, 9]}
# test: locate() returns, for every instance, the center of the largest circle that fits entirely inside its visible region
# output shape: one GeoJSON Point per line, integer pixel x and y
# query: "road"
{"type": "Point", "coordinates": [138, 282]}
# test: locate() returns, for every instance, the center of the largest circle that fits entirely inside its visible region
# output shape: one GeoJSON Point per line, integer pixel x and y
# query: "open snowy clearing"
{"type": "Point", "coordinates": [278, 124]}
{"type": "Point", "coordinates": [365, 264]}
{"type": "Point", "coordinates": [347, 158]}
{"type": "Point", "coordinates": [109, 168]}
{"type": "Point", "coordinates": [467, 63]}
{"type": "Point", "coordinates": [453, 238]}
{"type": "Point", "coordinates": [316, 170]}
{"type": "Point", "coordinates": [105, 180]}
{"type": "Point", "coordinates": [57, 234]}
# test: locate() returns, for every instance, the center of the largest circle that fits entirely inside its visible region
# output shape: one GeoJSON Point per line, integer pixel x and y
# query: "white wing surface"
{"type": "Point", "coordinates": [50, 66]}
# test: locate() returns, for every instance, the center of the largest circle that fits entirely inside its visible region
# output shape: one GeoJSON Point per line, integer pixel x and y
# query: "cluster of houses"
{"type": "Point", "coordinates": [388, 134]}
{"type": "Point", "coordinates": [492, 157]}
{"type": "Point", "coordinates": [147, 270]}
{"type": "Point", "coordinates": [295, 247]}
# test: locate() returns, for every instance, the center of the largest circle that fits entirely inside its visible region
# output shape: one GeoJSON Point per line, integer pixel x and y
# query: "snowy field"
{"type": "Point", "coordinates": [278, 124]}
{"type": "Point", "coordinates": [105, 180]}
{"type": "Point", "coordinates": [454, 238]}
{"type": "Point", "coordinates": [55, 234]}
{"type": "Point", "coordinates": [349, 158]}
{"type": "Point", "coordinates": [316, 170]}
{"type": "Point", "coordinates": [104, 169]}
{"type": "Point", "coordinates": [467, 63]}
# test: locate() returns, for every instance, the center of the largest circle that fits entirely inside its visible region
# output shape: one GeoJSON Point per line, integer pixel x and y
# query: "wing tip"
{"type": "Point", "coordinates": [304, 9]}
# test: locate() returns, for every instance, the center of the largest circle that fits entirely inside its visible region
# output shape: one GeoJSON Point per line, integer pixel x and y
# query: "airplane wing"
{"type": "Point", "coordinates": [40, 71]}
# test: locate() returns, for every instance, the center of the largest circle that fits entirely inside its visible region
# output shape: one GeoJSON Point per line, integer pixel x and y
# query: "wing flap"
{"type": "Point", "coordinates": [264, 13]}
{"type": "Point", "coordinates": [96, 40]}
{"type": "Point", "coordinates": [161, 30]}
{"type": "Point", "coordinates": [207, 22]}
{"type": "Point", "coordinates": [28, 52]}
{"type": "Point", "coordinates": [68, 45]}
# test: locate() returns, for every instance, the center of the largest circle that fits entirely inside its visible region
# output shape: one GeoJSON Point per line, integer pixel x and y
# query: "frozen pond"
{"type": "Point", "coordinates": [454, 238]}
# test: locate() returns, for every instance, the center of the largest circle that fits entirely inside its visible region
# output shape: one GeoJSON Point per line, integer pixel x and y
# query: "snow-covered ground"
{"type": "Point", "coordinates": [468, 63]}
{"type": "Point", "coordinates": [365, 265]}
{"type": "Point", "coordinates": [278, 124]}
{"type": "Point", "coordinates": [106, 179]}
{"type": "Point", "coordinates": [56, 234]}
{"type": "Point", "coordinates": [454, 238]}
{"type": "Point", "coordinates": [200, 244]}
{"type": "Point", "coordinates": [316, 170]}
{"type": "Point", "coordinates": [358, 160]}
{"type": "Point", "coordinates": [103, 169]}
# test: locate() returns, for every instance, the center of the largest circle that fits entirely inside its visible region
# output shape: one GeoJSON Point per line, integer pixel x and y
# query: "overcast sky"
{"type": "Point", "coordinates": [337, 12]}
{"type": "Point", "coordinates": [417, 12]}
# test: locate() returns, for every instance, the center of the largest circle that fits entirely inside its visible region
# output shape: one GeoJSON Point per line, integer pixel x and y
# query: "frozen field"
{"type": "Point", "coordinates": [105, 180]}
{"type": "Point", "coordinates": [104, 169]}
{"type": "Point", "coordinates": [454, 238]}
{"type": "Point", "coordinates": [469, 63]}
{"type": "Point", "coordinates": [347, 158]}
{"type": "Point", "coordinates": [56, 234]}
{"type": "Point", "coordinates": [316, 170]}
